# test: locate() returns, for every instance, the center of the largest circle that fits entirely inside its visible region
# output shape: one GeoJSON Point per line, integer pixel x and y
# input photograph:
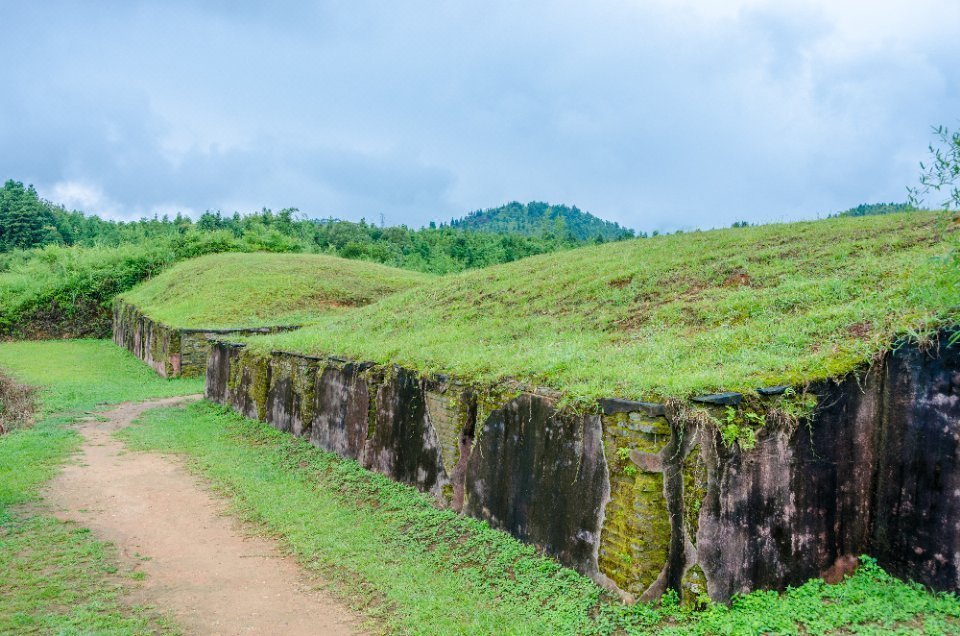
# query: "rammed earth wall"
{"type": "Point", "coordinates": [647, 497]}
{"type": "Point", "coordinates": [169, 351]}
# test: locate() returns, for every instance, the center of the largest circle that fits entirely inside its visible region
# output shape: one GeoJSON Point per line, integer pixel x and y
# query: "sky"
{"type": "Point", "coordinates": [660, 115]}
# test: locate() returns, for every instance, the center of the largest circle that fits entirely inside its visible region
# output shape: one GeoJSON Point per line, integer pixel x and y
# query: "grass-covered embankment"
{"type": "Point", "coordinates": [234, 291]}
{"type": "Point", "coordinates": [417, 569]}
{"type": "Point", "coordinates": [56, 577]}
{"type": "Point", "coordinates": [669, 316]}
{"type": "Point", "coordinates": [68, 292]}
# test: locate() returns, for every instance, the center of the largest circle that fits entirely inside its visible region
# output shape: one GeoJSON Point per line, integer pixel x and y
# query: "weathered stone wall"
{"type": "Point", "coordinates": [169, 351]}
{"type": "Point", "coordinates": [877, 471]}
{"type": "Point", "coordinates": [646, 497]}
{"type": "Point", "coordinates": [152, 342]}
{"type": "Point", "coordinates": [541, 475]}
{"type": "Point", "coordinates": [390, 420]}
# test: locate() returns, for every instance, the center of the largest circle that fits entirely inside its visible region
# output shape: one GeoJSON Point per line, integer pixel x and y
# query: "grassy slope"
{"type": "Point", "coordinates": [56, 577]}
{"type": "Point", "coordinates": [259, 289]}
{"type": "Point", "coordinates": [668, 316]}
{"type": "Point", "coordinates": [427, 571]}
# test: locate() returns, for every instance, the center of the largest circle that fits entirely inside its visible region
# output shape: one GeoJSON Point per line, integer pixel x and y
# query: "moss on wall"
{"type": "Point", "coordinates": [154, 343]}
{"type": "Point", "coordinates": [635, 538]}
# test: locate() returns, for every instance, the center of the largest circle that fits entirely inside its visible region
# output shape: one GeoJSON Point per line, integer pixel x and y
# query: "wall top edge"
{"type": "Point", "coordinates": [607, 406]}
{"type": "Point", "coordinates": [194, 330]}
{"type": "Point", "coordinates": [242, 330]}
{"type": "Point", "coordinates": [729, 398]}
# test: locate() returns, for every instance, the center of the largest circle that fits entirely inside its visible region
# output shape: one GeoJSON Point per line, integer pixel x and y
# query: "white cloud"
{"type": "Point", "coordinates": [77, 195]}
{"type": "Point", "coordinates": [657, 115]}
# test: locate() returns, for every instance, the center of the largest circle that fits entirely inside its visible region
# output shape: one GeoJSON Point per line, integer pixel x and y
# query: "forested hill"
{"type": "Point", "coordinates": [872, 209]}
{"type": "Point", "coordinates": [536, 218]}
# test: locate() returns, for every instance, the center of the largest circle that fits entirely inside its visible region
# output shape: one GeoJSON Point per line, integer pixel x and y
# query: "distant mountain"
{"type": "Point", "coordinates": [536, 219]}
{"type": "Point", "coordinates": [871, 209]}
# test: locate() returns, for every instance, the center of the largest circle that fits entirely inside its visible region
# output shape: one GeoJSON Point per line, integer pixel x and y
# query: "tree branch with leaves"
{"type": "Point", "coordinates": [941, 173]}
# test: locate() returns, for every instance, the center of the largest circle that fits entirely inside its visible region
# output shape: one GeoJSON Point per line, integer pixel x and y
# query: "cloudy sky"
{"type": "Point", "coordinates": [656, 114]}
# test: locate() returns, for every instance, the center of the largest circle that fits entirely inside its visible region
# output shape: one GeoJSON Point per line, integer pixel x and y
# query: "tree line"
{"type": "Point", "coordinates": [27, 221]}
{"type": "Point", "coordinates": [537, 218]}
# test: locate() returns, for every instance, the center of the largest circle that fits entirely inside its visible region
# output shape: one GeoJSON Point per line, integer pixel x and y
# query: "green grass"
{"type": "Point", "coordinates": [223, 291]}
{"type": "Point", "coordinates": [417, 569]}
{"type": "Point", "coordinates": [669, 316]}
{"type": "Point", "coordinates": [57, 291]}
{"type": "Point", "coordinates": [55, 577]}
{"type": "Point", "coordinates": [83, 375]}
{"type": "Point", "coordinates": [58, 579]}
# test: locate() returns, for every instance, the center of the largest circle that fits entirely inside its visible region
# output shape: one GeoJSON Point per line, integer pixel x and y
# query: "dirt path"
{"type": "Point", "coordinates": [199, 565]}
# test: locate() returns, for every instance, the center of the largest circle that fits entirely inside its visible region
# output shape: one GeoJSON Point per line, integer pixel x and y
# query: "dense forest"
{"type": "Point", "coordinates": [25, 220]}
{"type": "Point", "coordinates": [537, 218]}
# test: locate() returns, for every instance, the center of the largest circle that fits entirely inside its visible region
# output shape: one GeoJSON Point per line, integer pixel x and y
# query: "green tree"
{"type": "Point", "coordinates": [941, 173]}
{"type": "Point", "coordinates": [25, 220]}
{"type": "Point", "coordinates": [542, 219]}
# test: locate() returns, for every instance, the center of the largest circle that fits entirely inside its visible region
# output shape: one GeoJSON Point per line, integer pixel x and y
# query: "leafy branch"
{"type": "Point", "coordinates": [942, 173]}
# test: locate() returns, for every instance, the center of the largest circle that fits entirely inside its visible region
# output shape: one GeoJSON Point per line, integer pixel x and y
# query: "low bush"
{"type": "Point", "coordinates": [68, 292]}
{"type": "Point", "coordinates": [16, 404]}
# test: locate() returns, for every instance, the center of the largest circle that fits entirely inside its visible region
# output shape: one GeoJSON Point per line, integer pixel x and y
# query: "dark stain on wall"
{"type": "Point", "coordinates": [291, 398]}
{"type": "Point", "coordinates": [875, 472]}
{"type": "Point", "coordinates": [541, 476]}
{"type": "Point", "coordinates": [458, 475]}
{"type": "Point", "coordinates": [222, 358]}
{"type": "Point", "coordinates": [405, 445]}
{"type": "Point", "coordinates": [342, 411]}
{"type": "Point", "coordinates": [916, 521]}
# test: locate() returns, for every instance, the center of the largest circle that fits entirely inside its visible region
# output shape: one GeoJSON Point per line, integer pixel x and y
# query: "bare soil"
{"type": "Point", "coordinates": [201, 568]}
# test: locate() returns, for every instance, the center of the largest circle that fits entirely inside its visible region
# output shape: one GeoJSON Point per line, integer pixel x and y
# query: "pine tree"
{"type": "Point", "coordinates": [25, 221]}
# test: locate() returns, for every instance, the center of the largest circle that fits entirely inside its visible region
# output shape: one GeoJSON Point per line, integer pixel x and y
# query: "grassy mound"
{"type": "Point", "coordinates": [226, 291]}
{"type": "Point", "coordinates": [668, 316]}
